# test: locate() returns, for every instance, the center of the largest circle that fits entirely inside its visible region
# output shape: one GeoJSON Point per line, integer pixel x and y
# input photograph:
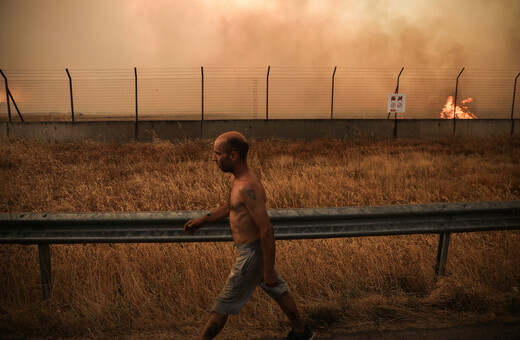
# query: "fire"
{"type": "Point", "coordinates": [461, 112]}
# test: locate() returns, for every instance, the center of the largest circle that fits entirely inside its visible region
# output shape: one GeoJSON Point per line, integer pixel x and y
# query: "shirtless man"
{"type": "Point", "coordinates": [253, 236]}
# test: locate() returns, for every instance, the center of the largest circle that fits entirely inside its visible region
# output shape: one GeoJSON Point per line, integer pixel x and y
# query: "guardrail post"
{"type": "Point", "coordinates": [513, 107]}
{"type": "Point", "coordinates": [71, 96]}
{"type": "Point", "coordinates": [455, 102]}
{"type": "Point", "coordinates": [332, 98]}
{"type": "Point", "coordinates": [7, 95]}
{"type": "Point", "coordinates": [44, 255]}
{"type": "Point", "coordinates": [267, 95]}
{"type": "Point", "coordinates": [442, 254]}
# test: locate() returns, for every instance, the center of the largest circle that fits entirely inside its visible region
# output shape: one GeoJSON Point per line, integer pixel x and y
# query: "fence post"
{"type": "Point", "coordinates": [332, 98]}
{"type": "Point", "coordinates": [267, 95]}
{"type": "Point", "coordinates": [44, 255]}
{"type": "Point", "coordinates": [136, 108]}
{"type": "Point", "coordinates": [15, 106]}
{"type": "Point", "coordinates": [398, 76]}
{"type": "Point", "coordinates": [202, 109]}
{"type": "Point", "coordinates": [396, 90]}
{"type": "Point", "coordinates": [442, 254]}
{"type": "Point", "coordinates": [7, 95]}
{"type": "Point", "coordinates": [71, 96]}
{"type": "Point", "coordinates": [513, 107]}
{"type": "Point", "coordinates": [455, 102]}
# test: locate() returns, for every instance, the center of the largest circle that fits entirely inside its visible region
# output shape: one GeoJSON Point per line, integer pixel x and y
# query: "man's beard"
{"type": "Point", "coordinates": [226, 167]}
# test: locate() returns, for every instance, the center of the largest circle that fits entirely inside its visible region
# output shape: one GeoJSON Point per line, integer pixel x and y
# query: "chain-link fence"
{"type": "Point", "coordinates": [211, 93]}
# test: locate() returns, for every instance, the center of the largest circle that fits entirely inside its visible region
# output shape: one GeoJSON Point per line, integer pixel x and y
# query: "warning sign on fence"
{"type": "Point", "coordinates": [396, 103]}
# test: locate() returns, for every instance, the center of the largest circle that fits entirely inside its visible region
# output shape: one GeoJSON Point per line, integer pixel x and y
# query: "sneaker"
{"type": "Point", "coordinates": [306, 335]}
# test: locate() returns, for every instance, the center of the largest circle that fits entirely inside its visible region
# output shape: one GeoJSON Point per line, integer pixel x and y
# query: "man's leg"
{"type": "Point", "coordinates": [213, 326]}
{"type": "Point", "coordinates": [286, 303]}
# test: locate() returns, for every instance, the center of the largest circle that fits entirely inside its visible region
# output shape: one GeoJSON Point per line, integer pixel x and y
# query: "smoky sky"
{"type": "Point", "coordinates": [160, 33]}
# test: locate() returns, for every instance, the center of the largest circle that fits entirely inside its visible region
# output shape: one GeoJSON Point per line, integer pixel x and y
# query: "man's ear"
{"type": "Point", "coordinates": [233, 155]}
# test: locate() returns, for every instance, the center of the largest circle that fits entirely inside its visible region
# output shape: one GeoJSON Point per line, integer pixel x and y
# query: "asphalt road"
{"type": "Point", "coordinates": [473, 332]}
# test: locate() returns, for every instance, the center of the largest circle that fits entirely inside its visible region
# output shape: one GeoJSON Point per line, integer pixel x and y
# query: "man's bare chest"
{"type": "Point", "coordinates": [235, 201]}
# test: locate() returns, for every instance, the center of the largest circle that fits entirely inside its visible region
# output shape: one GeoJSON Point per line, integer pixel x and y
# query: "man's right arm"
{"type": "Point", "coordinates": [216, 215]}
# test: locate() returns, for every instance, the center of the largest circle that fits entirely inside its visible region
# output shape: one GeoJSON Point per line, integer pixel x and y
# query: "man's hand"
{"type": "Point", "coordinates": [271, 279]}
{"type": "Point", "coordinates": [194, 224]}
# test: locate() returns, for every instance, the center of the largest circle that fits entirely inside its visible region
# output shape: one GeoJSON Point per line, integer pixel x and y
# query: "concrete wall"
{"type": "Point", "coordinates": [294, 129]}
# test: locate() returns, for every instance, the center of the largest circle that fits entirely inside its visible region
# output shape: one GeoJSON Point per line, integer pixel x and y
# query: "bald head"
{"type": "Point", "coordinates": [234, 141]}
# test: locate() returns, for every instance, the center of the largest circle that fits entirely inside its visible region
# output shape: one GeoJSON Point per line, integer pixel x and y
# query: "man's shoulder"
{"type": "Point", "coordinates": [247, 184]}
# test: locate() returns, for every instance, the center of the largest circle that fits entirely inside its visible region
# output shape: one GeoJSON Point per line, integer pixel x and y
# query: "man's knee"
{"type": "Point", "coordinates": [283, 296]}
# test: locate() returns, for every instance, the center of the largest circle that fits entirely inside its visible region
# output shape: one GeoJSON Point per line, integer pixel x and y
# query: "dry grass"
{"type": "Point", "coordinates": [166, 290]}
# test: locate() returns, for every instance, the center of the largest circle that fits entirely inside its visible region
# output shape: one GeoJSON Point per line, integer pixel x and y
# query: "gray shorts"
{"type": "Point", "coordinates": [246, 274]}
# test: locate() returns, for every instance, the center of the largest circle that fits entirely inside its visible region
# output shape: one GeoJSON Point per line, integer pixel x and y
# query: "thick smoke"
{"type": "Point", "coordinates": [160, 33]}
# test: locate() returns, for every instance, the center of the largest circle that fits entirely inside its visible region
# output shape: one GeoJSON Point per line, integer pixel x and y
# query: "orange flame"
{"type": "Point", "coordinates": [460, 112]}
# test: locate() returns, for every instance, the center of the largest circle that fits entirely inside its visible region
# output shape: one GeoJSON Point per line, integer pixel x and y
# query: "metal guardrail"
{"type": "Point", "coordinates": [318, 223]}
